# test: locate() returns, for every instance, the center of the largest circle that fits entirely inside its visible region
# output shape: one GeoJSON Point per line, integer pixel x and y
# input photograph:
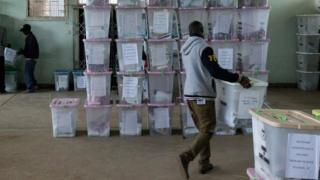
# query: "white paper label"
{"type": "Point", "coordinates": [161, 22]}
{"type": "Point", "coordinates": [64, 122]}
{"type": "Point", "coordinates": [63, 81]}
{"type": "Point", "coordinates": [161, 118]}
{"type": "Point", "coordinates": [225, 58]}
{"type": "Point", "coordinates": [302, 156]}
{"type": "Point", "coordinates": [223, 23]}
{"type": "Point", "coordinates": [98, 86]}
{"type": "Point", "coordinates": [97, 56]}
{"type": "Point", "coordinates": [130, 87]}
{"type": "Point", "coordinates": [130, 121]}
{"type": "Point", "coordinates": [247, 100]}
{"type": "Point", "coordinates": [159, 55]}
{"type": "Point", "coordinates": [81, 82]}
{"type": "Point", "coordinates": [130, 53]}
{"type": "Point", "coordinates": [10, 54]}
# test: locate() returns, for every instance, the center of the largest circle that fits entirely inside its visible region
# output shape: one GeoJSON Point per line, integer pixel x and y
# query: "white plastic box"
{"type": "Point", "coordinates": [135, 3]}
{"type": "Point", "coordinates": [98, 119]}
{"type": "Point", "coordinates": [11, 81]}
{"type": "Point", "coordinates": [130, 87]}
{"type": "Point", "coordinates": [189, 129]}
{"type": "Point", "coordinates": [308, 81]}
{"type": "Point", "coordinates": [308, 61]}
{"type": "Point", "coordinates": [197, 14]}
{"type": "Point", "coordinates": [161, 87]}
{"type": "Point", "coordinates": [222, 24]}
{"type": "Point", "coordinates": [160, 119]}
{"type": "Point", "coordinates": [308, 24]}
{"type": "Point", "coordinates": [308, 43]}
{"type": "Point", "coordinates": [161, 22]}
{"type": "Point", "coordinates": [260, 75]}
{"type": "Point", "coordinates": [131, 22]}
{"type": "Point", "coordinates": [98, 88]}
{"type": "Point", "coordinates": [161, 54]}
{"type": "Point", "coordinates": [97, 54]}
{"type": "Point", "coordinates": [162, 3]}
{"type": "Point", "coordinates": [253, 23]}
{"type": "Point", "coordinates": [97, 2]}
{"type": "Point", "coordinates": [130, 54]}
{"type": "Point", "coordinates": [62, 78]}
{"type": "Point", "coordinates": [64, 116]}
{"type": "Point", "coordinates": [253, 3]}
{"type": "Point", "coordinates": [223, 3]}
{"type": "Point", "coordinates": [234, 101]}
{"type": "Point", "coordinates": [79, 80]}
{"type": "Point", "coordinates": [271, 130]}
{"type": "Point", "coordinates": [253, 56]}
{"type": "Point", "coordinates": [226, 52]}
{"type": "Point", "coordinates": [192, 3]}
{"type": "Point", "coordinates": [130, 119]}
{"type": "Point", "coordinates": [97, 20]}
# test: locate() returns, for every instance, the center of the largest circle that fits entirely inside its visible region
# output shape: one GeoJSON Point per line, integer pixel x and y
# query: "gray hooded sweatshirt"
{"type": "Point", "coordinates": [198, 82]}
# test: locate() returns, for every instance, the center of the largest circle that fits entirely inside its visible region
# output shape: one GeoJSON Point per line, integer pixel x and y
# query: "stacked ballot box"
{"type": "Point", "coordinates": [308, 54]}
{"type": "Point", "coordinates": [130, 119]}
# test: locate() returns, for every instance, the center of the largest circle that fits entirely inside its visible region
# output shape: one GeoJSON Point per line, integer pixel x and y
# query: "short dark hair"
{"type": "Point", "coordinates": [196, 28]}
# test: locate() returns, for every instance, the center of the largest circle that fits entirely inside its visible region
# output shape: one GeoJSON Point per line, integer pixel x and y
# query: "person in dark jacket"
{"type": "Point", "coordinates": [2, 68]}
{"type": "Point", "coordinates": [31, 53]}
{"type": "Point", "coordinates": [201, 65]}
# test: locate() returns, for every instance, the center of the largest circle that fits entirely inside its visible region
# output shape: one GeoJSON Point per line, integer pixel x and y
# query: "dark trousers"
{"type": "Point", "coordinates": [29, 74]}
{"type": "Point", "coordinates": [2, 72]}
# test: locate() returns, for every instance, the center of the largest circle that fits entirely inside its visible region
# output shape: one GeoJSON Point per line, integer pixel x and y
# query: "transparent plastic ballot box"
{"type": "Point", "coordinates": [197, 14]}
{"type": "Point", "coordinates": [79, 80]}
{"type": "Point", "coordinates": [130, 54]}
{"type": "Point", "coordinates": [131, 3]}
{"type": "Point", "coordinates": [161, 22]}
{"type": "Point", "coordinates": [223, 3]}
{"type": "Point", "coordinates": [161, 87]}
{"type": "Point", "coordinates": [160, 119]}
{"type": "Point", "coordinates": [131, 22]}
{"type": "Point", "coordinates": [260, 75]}
{"type": "Point", "coordinates": [189, 129]}
{"type": "Point", "coordinates": [308, 23]}
{"type": "Point", "coordinates": [162, 3]}
{"type": "Point", "coordinates": [97, 54]}
{"type": "Point", "coordinates": [11, 80]}
{"type": "Point", "coordinates": [98, 119]}
{"type": "Point", "coordinates": [64, 116]}
{"type": "Point", "coordinates": [130, 119]}
{"type": "Point", "coordinates": [252, 3]}
{"type": "Point", "coordinates": [96, 2]}
{"type": "Point", "coordinates": [308, 80]}
{"type": "Point", "coordinates": [234, 101]}
{"type": "Point", "coordinates": [308, 43]}
{"type": "Point", "coordinates": [97, 21]}
{"type": "Point", "coordinates": [161, 54]}
{"type": "Point", "coordinates": [223, 24]}
{"type": "Point", "coordinates": [130, 87]}
{"type": "Point", "coordinates": [192, 3]}
{"type": "Point", "coordinates": [62, 79]}
{"type": "Point", "coordinates": [253, 23]}
{"type": "Point", "coordinates": [275, 134]}
{"type": "Point", "coordinates": [98, 88]}
{"type": "Point", "coordinates": [308, 61]}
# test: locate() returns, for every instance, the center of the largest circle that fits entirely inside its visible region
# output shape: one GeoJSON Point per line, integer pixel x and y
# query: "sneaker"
{"type": "Point", "coordinates": [205, 168]}
{"type": "Point", "coordinates": [183, 164]}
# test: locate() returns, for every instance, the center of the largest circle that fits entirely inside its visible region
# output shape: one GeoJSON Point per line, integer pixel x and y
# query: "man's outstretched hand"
{"type": "Point", "coordinates": [245, 82]}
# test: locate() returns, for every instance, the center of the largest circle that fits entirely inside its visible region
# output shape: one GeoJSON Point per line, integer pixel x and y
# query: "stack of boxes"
{"type": "Point", "coordinates": [98, 75]}
{"type": "Point", "coordinates": [131, 77]}
{"type": "Point", "coordinates": [308, 42]}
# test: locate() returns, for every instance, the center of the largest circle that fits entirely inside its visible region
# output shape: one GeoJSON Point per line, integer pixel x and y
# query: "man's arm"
{"type": "Point", "coordinates": [210, 61]}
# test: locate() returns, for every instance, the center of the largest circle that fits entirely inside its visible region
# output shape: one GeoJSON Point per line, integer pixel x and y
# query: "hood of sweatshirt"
{"type": "Point", "coordinates": [191, 42]}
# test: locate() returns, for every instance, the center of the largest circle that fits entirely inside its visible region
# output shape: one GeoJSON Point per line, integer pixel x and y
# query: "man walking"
{"type": "Point", "coordinates": [201, 66]}
{"type": "Point", "coordinates": [31, 53]}
{"type": "Point", "coordinates": [2, 64]}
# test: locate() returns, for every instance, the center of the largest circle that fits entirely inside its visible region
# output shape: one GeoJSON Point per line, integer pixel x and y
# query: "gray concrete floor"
{"type": "Point", "coordinates": [28, 150]}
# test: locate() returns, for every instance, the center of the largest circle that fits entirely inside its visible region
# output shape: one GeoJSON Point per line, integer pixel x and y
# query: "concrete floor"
{"type": "Point", "coordinates": [28, 150]}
